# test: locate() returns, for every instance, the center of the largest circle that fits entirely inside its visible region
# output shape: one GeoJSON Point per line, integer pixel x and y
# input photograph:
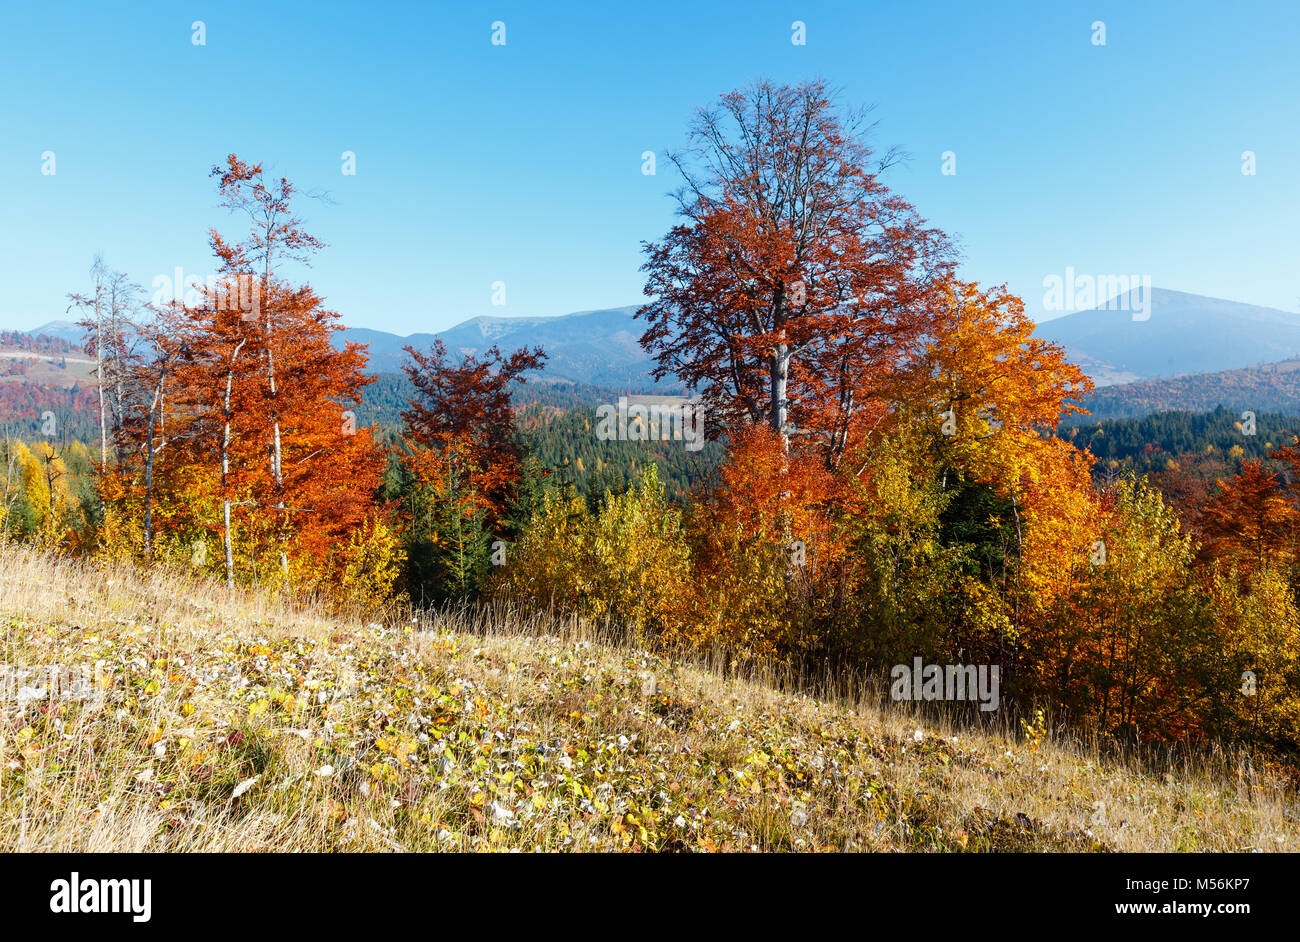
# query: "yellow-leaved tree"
{"type": "Point", "coordinates": [627, 564]}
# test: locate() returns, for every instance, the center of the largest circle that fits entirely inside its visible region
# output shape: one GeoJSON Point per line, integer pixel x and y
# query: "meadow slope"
{"type": "Point", "coordinates": [234, 722]}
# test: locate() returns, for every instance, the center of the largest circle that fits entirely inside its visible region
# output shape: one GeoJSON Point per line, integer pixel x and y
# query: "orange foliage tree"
{"type": "Point", "coordinates": [796, 280]}
{"type": "Point", "coordinates": [244, 426]}
{"type": "Point", "coordinates": [766, 546]}
{"type": "Point", "coordinates": [1252, 520]}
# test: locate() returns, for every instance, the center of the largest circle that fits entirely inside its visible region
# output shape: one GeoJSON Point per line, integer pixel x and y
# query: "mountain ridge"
{"type": "Point", "coordinates": [1182, 334]}
{"type": "Point", "coordinates": [599, 347]}
{"type": "Point", "coordinates": [1179, 334]}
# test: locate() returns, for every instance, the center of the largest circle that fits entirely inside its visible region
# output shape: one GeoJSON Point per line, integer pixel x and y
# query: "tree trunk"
{"type": "Point", "coordinates": [275, 419]}
{"type": "Point", "coordinates": [225, 470]}
{"type": "Point", "coordinates": [780, 378]}
{"type": "Point", "coordinates": [99, 376]}
{"type": "Point", "coordinates": [154, 409]}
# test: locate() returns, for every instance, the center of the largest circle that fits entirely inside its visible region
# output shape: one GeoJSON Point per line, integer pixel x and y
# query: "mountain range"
{"type": "Point", "coordinates": [599, 347]}
{"type": "Point", "coordinates": [1218, 348]}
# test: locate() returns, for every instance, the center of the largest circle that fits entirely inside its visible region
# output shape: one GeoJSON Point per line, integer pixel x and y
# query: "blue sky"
{"type": "Point", "coordinates": [522, 163]}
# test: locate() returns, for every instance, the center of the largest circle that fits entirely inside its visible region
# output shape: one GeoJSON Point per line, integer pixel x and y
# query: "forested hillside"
{"type": "Point", "coordinates": [1149, 443]}
{"type": "Point", "coordinates": [1186, 455]}
{"type": "Point", "coordinates": [566, 441]}
{"type": "Point", "coordinates": [46, 387]}
{"type": "Point", "coordinates": [1272, 387]}
{"type": "Point", "coordinates": [384, 400]}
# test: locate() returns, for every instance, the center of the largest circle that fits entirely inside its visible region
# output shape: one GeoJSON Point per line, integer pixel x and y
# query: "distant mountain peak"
{"type": "Point", "coordinates": [63, 329]}
{"type": "Point", "coordinates": [1181, 333]}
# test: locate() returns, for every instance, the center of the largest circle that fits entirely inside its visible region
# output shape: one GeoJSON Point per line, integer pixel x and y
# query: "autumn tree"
{"type": "Point", "coordinates": [626, 564]}
{"type": "Point", "coordinates": [767, 547]}
{"type": "Point", "coordinates": [1250, 521]}
{"type": "Point", "coordinates": [1257, 653]}
{"type": "Point", "coordinates": [463, 458]}
{"type": "Point", "coordinates": [144, 429]}
{"type": "Point", "coordinates": [144, 353]}
{"type": "Point", "coordinates": [241, 420]}
{"type": "Point", "coordinates": [13, 481]}
{"type": "Point", "coordinates": [294, 507]}
{"type": "Point", "coordinates": [987, 378]}
{"type": "Point", "coordinates": [1133, 648]}
{"type": "Point", "coordinates": [218, 432]}
{"type": "Point", "coordinates": [275, 236]}
{"type": "Point", "coordinates": [795, 279]}
{"type": "Point", "coordinates": [990, 393]}
{"type": "Point", "coordinates": [31, 491]}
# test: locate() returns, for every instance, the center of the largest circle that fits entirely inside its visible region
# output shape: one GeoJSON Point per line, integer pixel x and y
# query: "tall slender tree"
{"type": "Point", "coordinates": [275, 236]}
{"type": "Point", "coordinates": [109, 312]}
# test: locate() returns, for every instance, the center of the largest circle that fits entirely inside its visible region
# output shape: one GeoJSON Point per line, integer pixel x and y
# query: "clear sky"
{"type": "Point", "coordinates": [521, 163]}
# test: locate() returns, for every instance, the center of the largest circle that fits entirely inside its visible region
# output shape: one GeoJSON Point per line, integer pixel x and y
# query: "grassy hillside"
{"type": "Point", "coordinates": [236, 722]}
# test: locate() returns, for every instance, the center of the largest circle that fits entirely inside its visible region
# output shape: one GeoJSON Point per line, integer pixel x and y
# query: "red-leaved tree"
{"type": "Point", "coordinates": [795, 281]}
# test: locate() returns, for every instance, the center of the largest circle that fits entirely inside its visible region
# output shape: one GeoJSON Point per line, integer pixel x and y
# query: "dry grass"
{"type": "Point", "coordinates": [237, 722]}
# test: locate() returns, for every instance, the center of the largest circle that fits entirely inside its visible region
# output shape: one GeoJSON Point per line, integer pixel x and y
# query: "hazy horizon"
{"type": "Point", "coordinates": [1041, 319]}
